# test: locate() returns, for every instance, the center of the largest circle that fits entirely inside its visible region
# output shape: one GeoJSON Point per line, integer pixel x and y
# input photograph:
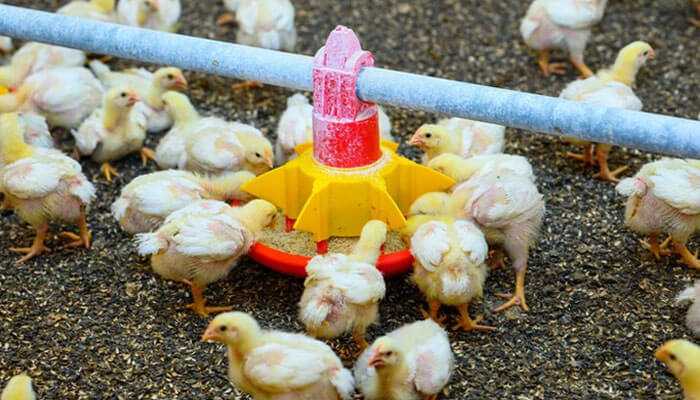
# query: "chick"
{"type": "Point", "coordinates": [609, 88]}
{"type": "Point", "coordinates": [462, 169]}
{"type": "Point", "coordinates": [42, 186]}
{"type": "Point", "coordinates": [561, 25]}
{"type": "Point", "coordinates": [266, 23]}
{"type": "Point", "coordinates": [36, 131]}
{"type": "Point", "coordinates": [113, 131]}
{"type": "Point", "coordinates": [692, 295]}
{"type": "Point", "coordinates": [19, 388]}
{"type": "Point", "coordinates": [296, 127]}
{"type": "Point", "coordinates": [201, 243]}
{"type": "Point", "coordinates": [150, 86]}
{"type": "Point", "coordinates": [459, 136]}
{"type": "Point", "coordinates": [147, 200]}
{"type": "Point", "coordinates": [664, 197]}
{"type": "Point", "coordinates": [35, 57]}
{"type": "Point", "coordinates": [509, 210]}
{"type": "Point", "coordinates": [101, 10]}
{"type": "Point", "coordinates": [64, 96]}
{"type": "Point", "coordinates": [682, 358]}
{"type": "Point", "coordinates": [161, 15]}
{"type": "Point", "coordinates": [271, 364]}
{"type": "Point", "coordinates": [410, 363]}
{"type": "Point", "coordinates": [342, 292]}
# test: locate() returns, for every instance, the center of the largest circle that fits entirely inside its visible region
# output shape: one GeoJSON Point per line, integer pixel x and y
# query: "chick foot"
{"type": "Point", "coordinates": [226, 19]}
{"type": "Point", "coordinates": [582, 68]}
{"type": "Point", "coordinates": [467, 324]}
{"type": "Point", "coordinates": [199, 303]}
{"type": "Point", "coordinates": [547, 68]}
{"type": "Point", "coordinates": [38, 247]}
{"type": "Point", "coordinates": [147, 154]}
{"type": "Point", "coordinates": [655, 248]}
{"type": "Point", "coordinates": [586, 157]}
{"type": "Point", "coordinates": [605, 174]}
{"type": "Point", "coordinates": [517, 299]}
{"type": "Point", "coordinates": [81, 240]}
{"type": "Point", "coordinates": [688, 258]}
{"type": "Point", "coordinates": [108, 171]}
{"type": "Point", "coordinates": [431, 397]}
{"type": "Point", "coordinates": [434, 313]}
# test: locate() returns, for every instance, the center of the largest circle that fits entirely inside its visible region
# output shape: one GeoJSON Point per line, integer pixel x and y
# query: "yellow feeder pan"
{"type": "Point", "coordinates": [347, 176]}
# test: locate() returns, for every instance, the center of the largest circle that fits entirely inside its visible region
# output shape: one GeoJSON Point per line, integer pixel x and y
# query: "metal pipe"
{"type": "Point", "coordinates": [644, 131]}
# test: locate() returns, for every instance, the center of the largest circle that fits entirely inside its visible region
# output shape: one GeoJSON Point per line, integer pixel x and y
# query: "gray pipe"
{"type": "Point", "coordinates": [644, 131]}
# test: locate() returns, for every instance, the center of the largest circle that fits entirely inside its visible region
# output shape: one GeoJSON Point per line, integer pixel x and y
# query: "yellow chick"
{"type": "Point", "coordinates": [459, 136]}
{"type": "Point", "coordinates": [114, 131]}
{"type": "Point", "coordinates": [462, 169]}
{"type": "Point", "coordinates": [271, 364]}
{"type": "Point", "coordinates": [35, 57]}
{"type": "Point", "coordinates": [683, 360]}
{"type": "Point", "coordinates": [201, 243]}
{"type": "Point", "coordinates": [342, 292]}
{"type": "Point", "coordinates": [148, 199]}
{"type": "Point", "coordinates": [610, 87]}
{"type": "Point", "coordinates": [19, 388]}
{"type": "Point", "coordinates": [101, 10]}
{"type": "Point", "coordinates": [160, 15]}
{"type": "Point", "coordinates": [42, 186]}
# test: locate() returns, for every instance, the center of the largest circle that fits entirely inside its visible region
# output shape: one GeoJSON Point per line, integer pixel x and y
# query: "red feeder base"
{"type": "Point", "coordinates": [389, 265]}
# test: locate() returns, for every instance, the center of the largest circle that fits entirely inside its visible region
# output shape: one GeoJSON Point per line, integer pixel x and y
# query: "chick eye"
{"type": "Point", "coordinates": [123, 94]}
{"type": "Point", "coordinates": [257, 155]}
{"type": "Point", "coordinates": [646, 53]}
{"type": "Point", "coordinates": [222, 328]}
{"type": "Point", "coordinates": [672, 357]}
{"type": "Point", "coordinates": [428, 135]}
{"type": "Point", "coordinates": [170, 76]}
{"type": "Point", "coordinates": [389, 353]}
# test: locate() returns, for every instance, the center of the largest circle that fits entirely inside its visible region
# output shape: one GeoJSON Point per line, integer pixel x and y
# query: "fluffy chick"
{"type": "Point", "coordinates": [561, 25]}
{"type": "Point", "coordinates": [664, 197]}
{"type": "Point", "coordinates": [19, 388]}
{"type": "Point", "coordinates": [201, 243]}
{"type": "Point", "coordinates": [610, 87]}
{"type": "Point", "coordinates": [692, 295]}
{"type": "Point", "coordinates": [101, 10]}
{"type": "Point", "coordinates": [449, 268]}
{"type": "Point", "coordinates": [462, 169]}
{"type": "Point", "coordinates": [150, 86]}
{"type": "Point", "coordinates": [342, 292]}
{"type": "Point", "coordinates": [64, 96]}
{"type": "Point", "coordinates": [160, 15]}
{"type": "Point", "coordinates": [36, 130]}
{"type": "Point", "coordinates": [42, 186]}
{"type": "Point", "coordinates": [35, 57]}
{"type": "Point", "coordinates": [266, 23]}
{"type": "Point", "coordinates": [277, 365]}
{"type": "Point", "coordinates": [682, 358]}
{"type": "Point", "coordinates": [113, 131]}
{"type": "Point", "coordinates": [414, 362]}
{"type": "Point", "coordinates": [148, 199]}
{"type": "Point", "coordinates": [459, 136]}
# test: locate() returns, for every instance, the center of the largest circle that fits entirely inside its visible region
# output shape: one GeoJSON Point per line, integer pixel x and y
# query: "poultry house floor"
{"type": "Point", "coordinates": [97, 324]}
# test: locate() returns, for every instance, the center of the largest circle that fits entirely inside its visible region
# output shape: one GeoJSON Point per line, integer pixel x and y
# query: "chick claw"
{"type": "Point", "coordinates": [246, 85]}
{"type": "Point", "coordinates": [147, 154]}
{"type": "Point", "coordinates": [77, 240]}
{"type": "Point", "coordinates": [108, 171]}
{"type": "Point", "coordinates": [657, 250]}
{"type": "Point", "coordinates": [515, 300]}
{"type": "Point", "coordinates": [467, 324]}
{"type": "Point", "coordinates": [610, 176]}
{"type": "Point", "coordinates": [203, 310]}
{"type": "Point", "coordinates": [30, 252]}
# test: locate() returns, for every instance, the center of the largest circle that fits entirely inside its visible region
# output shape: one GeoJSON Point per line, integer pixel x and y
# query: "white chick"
{"type": "Point", "coordinates": [449, 268]}
{"type": "Point", "coordinates": [201, 243]}
{"type": "Point", "coordinates": [113, 131]}
{"type": "Point", "coordinates": [210, 145]}
{"type": "Point", "coordinates": [459, 136]}
{"type": "Point", "coordinates": [64, 96]}
{"type": "Point", "coordinates": [692, 295]}
{"type": "Point", "coordinates": [266, 23]}
{"type": "Point", "coordinates": [342, 292]}
{"type": "Point", "coordinates": [150, 87]}
{"type": "Point", "coordinates": [414, 362]}
{"type": "Point", "coordinates": [161, 15]}
{"type": "Point", "coordinates": [561, 25]}
{"type": "Point", "coordinates": [509, 210]}
{"type": "Point", "coordinates": [35, 57]}
{"type": "Point", "coordinates": [664, 197]}
{"type": "Point", "coordinates": [36, 131]}
{"type": "Point", "coordinates": [462, 169]}
{"type": "Point", "coordinates": [277, 365]}
{"type": "Point", "coordinates": [148, 199]}
{"type": "Point", "coordinates": [609, 88]}
{"type": "Point", "coordinates": [100, 10]}
{"type": "Point", "coordinates": [19, 388]}
{"type": "Point", "coordinates": [296, 127]}
{"type": "Point", "coordinates": [42, 186]}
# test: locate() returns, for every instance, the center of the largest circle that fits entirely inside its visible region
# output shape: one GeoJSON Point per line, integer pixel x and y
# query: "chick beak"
{"type": "Point", "coordinates": [661, 354]}
{"type": "Point", "coordinates": [375, 360]}
{"type": "Point", "coordinates": [651, 55]}
{"type": "Point", "coordinates": [416, 140]}
{"type": "Point", "coordinates": [268, 160]}
{"type": "Point", "coordinates": [180, 83]}
{"type": "Point", "coordinates": [133, 99]}
{"type": "Point", "coordinates": [154, 5]}
{"type": "Point", "coordinates": [209, 335]}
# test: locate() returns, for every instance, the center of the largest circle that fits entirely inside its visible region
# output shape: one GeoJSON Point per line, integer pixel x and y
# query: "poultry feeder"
{"type": "Point", "coordinates": [347, 176]}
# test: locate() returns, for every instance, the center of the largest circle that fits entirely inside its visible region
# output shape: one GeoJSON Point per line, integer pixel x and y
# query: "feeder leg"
{"type": "Point", "coordinates": [467, 324]}
{"type": "Point", "coordinates": [198, 304]}
{"type": "Point", "coordinates": [322, 247]}
{"type": "Point", "coordinates": [37, 248]}
{"type": "Point", "coordinates": [288, 224]}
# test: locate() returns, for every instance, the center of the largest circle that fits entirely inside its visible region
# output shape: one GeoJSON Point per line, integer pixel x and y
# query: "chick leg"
{"type": "Point", "coordinates": [586, 157]}
{"type": "Point", "coordinates": [653, 245]}
{"type": "Point", "coordinates": [245, 85]}
{"type": "Point", "coordinates": [495, 260]}
{"type": "Point", "coordinates": [696, 21]}
{"type": "Point", "coordinates": [689, 258]}
{"type": "Point", "coordinates": [431, 397]}
{"type": "Point", "coordinates": [467, 324]}
{"type": "Point", "coordinates": [358, 335]}
{"type": "Point", "coordinates": [434, 312]}
{"type": "Point", "coordinates": [226, 19]}
{"type": "Point", "coordinates": [199, 303]}
{"type": "Point", "coordinates": [37, 248]}
{"type": "Point", "coordinates": [602, 151]}
{"type": "Point", "coordinates": [85, 236]}
{"type": "Point", "coordinates": [518, 299]}
{"type": "Point", "coordinates": [581, 66]}
{"type": "Point", "coordinates": [108, 171]}
{"type": "Point", "coordinates": [147, 154]}
{"type": "Point", "coordinates": [548, 68]}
